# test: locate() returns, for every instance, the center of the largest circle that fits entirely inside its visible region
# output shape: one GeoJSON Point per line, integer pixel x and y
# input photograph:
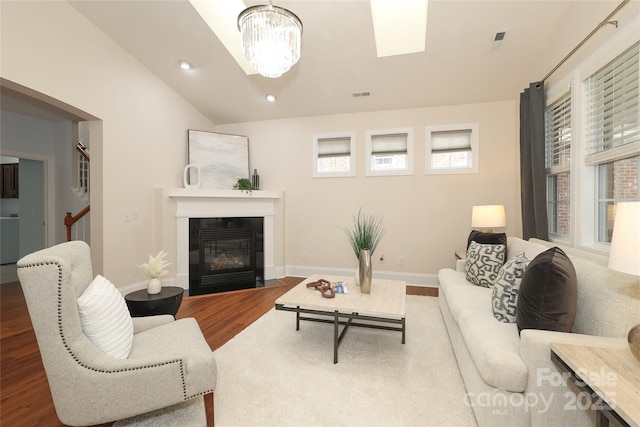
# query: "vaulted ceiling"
{"type": "Point", "coordinates": [339, 56]}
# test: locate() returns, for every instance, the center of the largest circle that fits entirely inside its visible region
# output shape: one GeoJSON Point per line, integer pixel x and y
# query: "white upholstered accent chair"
{"type": "Point", "coordinates": [170, 361]}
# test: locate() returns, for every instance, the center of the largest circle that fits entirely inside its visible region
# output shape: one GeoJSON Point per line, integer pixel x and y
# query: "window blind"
{"type": "Point", "coordinates": [389, 144]}
{"type": "Point", "coordinates": [612, 115]}
{"type": "Point", "coordinates": [557, 123]}
{"type": "Point", "coordinates": [450, 141]}
{"type": "Point", "coordinates": [334, 147]}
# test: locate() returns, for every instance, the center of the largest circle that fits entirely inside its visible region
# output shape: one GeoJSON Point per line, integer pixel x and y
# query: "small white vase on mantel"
{"type": "Point", "coordinates": [154, 286]}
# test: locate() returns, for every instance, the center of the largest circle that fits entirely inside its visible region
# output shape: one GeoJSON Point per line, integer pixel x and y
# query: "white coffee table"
{"type": "Point", "coordinates": [385, 305]}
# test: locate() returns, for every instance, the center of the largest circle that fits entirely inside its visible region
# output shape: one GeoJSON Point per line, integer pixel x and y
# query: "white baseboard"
{"type": "Point", "coordinates": [274, 272]}
{"type": "Point", "coordinates": [413, 279]}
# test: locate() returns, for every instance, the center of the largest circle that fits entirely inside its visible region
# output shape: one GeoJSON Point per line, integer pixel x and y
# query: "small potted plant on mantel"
{"type": "Point", "coordinates": [243, 184]}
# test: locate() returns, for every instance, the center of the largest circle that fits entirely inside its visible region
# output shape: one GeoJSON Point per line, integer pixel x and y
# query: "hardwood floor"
{"type": "Point", "coordinates": [25, 398]}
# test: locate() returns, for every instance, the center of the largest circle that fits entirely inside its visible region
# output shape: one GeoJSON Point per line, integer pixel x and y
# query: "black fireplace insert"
{"type": "Point", "coordinates": [225, 254]}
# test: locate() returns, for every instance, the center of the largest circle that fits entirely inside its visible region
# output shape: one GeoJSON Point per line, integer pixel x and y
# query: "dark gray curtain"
{"type": "Point", "coordinates": [532, 174]}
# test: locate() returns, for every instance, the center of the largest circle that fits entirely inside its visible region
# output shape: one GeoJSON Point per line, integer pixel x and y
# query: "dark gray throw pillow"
{"type": "Point", "coordinates": [547, 297]}
{"type": "Point", "coordinates": [487, 238]}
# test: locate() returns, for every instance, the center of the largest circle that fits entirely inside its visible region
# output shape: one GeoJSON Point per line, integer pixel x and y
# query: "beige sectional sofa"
{"type": "Point", "coordinates": [510, 379]}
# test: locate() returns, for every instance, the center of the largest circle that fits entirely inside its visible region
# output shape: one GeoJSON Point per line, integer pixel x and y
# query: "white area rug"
{"type": "Point", "coordinates": [272, 375]}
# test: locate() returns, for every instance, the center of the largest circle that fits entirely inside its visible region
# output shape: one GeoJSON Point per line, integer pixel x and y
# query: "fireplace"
{"type": "Point", "coordinates": [225, 254]}
{"type": "Point", "coordinates": [210, 206]}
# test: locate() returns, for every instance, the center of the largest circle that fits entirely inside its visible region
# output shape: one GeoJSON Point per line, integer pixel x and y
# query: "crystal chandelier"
{"type": "Point", "coordinates": [270, 39]}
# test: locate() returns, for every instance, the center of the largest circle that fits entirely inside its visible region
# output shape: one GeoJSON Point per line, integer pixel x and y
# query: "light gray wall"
{"type": "Point", "coordinates": [37, 139]}
{"type": "Point", "coordinates": [32, 209]}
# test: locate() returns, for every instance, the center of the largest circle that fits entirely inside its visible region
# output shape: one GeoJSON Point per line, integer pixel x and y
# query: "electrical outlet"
{"type": "Point", "coordinates": [134, 215]}
{"type": "Point", "coordinates": [381, 259]}
{"type": "Point", "coordinates": [125, 216]}
{"type": "Point", "coordinates": [401, 260]}
{"type": "Point", "coordinates": [305, 256]}
{"type": "Point", "coordinates": [136, 270]}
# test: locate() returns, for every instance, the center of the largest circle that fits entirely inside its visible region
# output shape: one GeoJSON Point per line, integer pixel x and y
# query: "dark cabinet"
{"type": "Point", "coordinates": [9, 181]}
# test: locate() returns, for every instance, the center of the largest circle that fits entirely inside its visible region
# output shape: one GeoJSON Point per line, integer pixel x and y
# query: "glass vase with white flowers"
{"type": "Point", "coordinates": [155, 268]}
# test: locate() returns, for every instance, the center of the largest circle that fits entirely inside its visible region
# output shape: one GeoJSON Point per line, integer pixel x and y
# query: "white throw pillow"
{"type": "Point", "coordinates": [105, 318]}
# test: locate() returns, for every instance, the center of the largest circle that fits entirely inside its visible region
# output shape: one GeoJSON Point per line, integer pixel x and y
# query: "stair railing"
{"type": "Point", "coordinates": [70, 220]}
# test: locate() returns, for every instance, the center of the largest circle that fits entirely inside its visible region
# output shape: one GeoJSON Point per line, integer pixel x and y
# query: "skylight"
{"type": "Point", "coordinates": [400, 26]}
{"type": "Point", "coordinates": [222, 18]}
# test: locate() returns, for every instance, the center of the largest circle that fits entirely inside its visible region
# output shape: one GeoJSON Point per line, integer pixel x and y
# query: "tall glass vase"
{"type": "Point", "coordinates": [364, 271]}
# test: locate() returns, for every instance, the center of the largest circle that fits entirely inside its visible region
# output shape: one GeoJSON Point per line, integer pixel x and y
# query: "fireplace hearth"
{"type": "Point", "coordinates": [225, 254]}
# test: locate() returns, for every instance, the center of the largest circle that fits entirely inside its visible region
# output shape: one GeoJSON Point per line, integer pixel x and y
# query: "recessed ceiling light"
{"type": "Point", "coordinates": [184, 65]}
{"type": "Point", "coordinates": [271, 97]}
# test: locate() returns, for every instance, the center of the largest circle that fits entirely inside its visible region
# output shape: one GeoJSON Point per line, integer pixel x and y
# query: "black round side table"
{"type": "Point", "coordinates": [140, 303]}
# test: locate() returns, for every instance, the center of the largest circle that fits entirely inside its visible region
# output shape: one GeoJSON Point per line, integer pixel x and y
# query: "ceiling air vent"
{"type": "Point", "coordinates": [498, 38]}
{"type": "Point", "coordinates": [360, 94]}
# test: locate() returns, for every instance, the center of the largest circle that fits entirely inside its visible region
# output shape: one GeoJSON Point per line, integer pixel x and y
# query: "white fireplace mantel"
{"type": "Point", "coordinates": [205, 203]}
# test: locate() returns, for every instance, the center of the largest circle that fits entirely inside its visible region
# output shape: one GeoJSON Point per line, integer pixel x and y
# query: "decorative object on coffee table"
{"type": "Point", "coordinates": [364, 271]}
{"type": "Point", "coordinates": [155, 268]}
{"type": "Point", "coordinates": [624, 255]}
{"type": "Point", "coordinates": [364, 237]}
{"type": "Point", "coordinates": [324, 287]}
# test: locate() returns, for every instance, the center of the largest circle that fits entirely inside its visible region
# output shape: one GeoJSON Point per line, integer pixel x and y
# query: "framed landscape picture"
{"type": "Point", "coordinates": [222, 158]}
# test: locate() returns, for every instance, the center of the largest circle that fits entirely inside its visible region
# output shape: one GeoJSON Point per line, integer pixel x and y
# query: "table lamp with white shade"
{"type": "Point", "coordinates": [488, 216]}
{"type": "Point", "coordinates": [624, 255]}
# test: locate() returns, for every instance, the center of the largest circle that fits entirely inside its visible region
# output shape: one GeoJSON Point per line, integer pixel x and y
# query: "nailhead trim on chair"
{"type": "Point", "coordinates": [105, 371]}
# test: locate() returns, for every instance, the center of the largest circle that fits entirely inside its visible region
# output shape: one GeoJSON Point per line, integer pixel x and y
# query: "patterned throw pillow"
{"type": "Point", "coordinates": [483, 263]}
{"type": "Point", "coordinates": [505, 290]}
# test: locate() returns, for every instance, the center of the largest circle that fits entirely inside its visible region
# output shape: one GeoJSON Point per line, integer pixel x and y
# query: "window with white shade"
{"type": "Point", "coordinates": [592, 141]}
{"type": "Point", "coordinates": [557, 119]}
{"type": "Point", "coordinates": [390, 151]}
{"type": "Point", "coordinates": [612, 136]}
{"type": "Point", "coordinates": [334, 154]}
{"type": "Point", "coordinates": [452, 149]}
